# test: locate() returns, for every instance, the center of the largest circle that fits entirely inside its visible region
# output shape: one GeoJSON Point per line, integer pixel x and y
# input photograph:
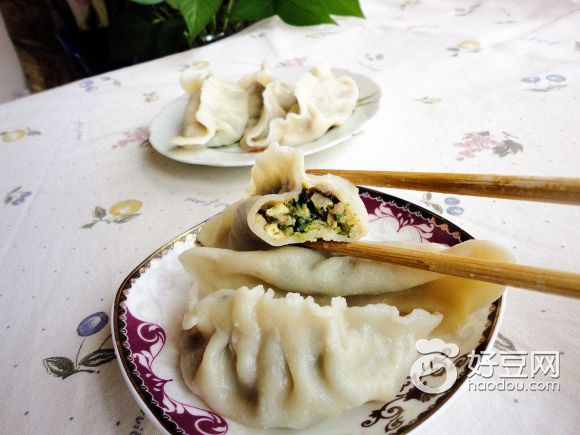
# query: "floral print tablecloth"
{"type": "Point", "coordinates": [479, 86]}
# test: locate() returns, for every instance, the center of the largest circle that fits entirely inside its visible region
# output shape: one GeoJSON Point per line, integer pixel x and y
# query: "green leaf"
{"type": "Point", "coordinates": [252, 10]}
{"type": "Point", "coordinates": [437, 208]}
{"type": "Point", "coordinates": [99, 212]}
{"type": "Point", "coordinates": [90, 225]}
{"type": "Point", "coordinates": [98, 357]}
{"type": "Point", "coordinates": [349, 8]}
{"type": "Point", "coordinates": [59, 366]}
{"type": "Point", "coordinates": [172, 3]}
{"type": "Point", "coordinates": [428, 196]}
{"type": "Point", "coordinates": [147, 2]}
{"type": "Point", "coordinates": [197, 13]}
{"type": "Point", "coordinates": [303, 13]}
{"type": "Point", "coordinates": [123, 219]}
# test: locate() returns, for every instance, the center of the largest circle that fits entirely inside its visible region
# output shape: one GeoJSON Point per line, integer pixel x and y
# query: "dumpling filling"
{"type": "Point", "coordinates": [313, 210]}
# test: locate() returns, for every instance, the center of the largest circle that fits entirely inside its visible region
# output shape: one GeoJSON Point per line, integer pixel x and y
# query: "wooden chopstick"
{"type": "Point", "coordinates": [557, 190]}
{"type": "Point", "coordinates": [533, 278]}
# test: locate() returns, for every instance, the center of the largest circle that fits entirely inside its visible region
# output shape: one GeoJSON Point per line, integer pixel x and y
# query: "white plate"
{"type": "Point", "coordinates": [146, 323]}
{"type": "Point", "coordinates": [167, 125]}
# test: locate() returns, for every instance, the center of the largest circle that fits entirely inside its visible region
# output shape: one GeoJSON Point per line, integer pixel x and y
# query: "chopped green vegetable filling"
{"type": "Point", "coordinates": [313, 208]}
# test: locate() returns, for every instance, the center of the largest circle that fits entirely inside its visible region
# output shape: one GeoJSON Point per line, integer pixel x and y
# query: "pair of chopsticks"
{"type": "Point", "coordinates": [556, 190]}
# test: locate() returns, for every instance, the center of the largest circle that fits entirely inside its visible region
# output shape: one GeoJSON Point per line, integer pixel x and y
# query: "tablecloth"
{"type": "Point", "coordinates": [478, 86]}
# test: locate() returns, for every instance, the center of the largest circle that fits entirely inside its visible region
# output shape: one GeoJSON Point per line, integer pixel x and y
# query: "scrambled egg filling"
{"type": "Point", "coordinates": [314, 209]}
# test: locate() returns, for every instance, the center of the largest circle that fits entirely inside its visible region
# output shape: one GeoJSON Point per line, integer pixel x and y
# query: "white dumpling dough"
{"type": "Point", "coordinates": [301, 270]}
{"type": "Point", "coordinates": [278, 100]}
{"type": "Point", "coordinates": [217, 112]}
{"type": "Point", "coordinates": [254, 85]}
{"type": "Point", "coordinates": [288, 362]}
{"type": "Point", "coordinates": [361, 281]}
{"type": "Point", "coordinates": [318, 102]}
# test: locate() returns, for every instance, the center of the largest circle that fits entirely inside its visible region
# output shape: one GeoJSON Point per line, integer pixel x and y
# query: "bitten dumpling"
{"type": "Point", "coordinates": [284, 206]}
{"type": "Point", "coordinates": [216, 114]}
{"type": "Point", "coordinates": [289, 362]}
{"type": "Point", "coordinates": [295, 116]}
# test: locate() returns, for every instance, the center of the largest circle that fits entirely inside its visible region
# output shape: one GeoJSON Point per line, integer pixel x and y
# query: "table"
{"type": "Point", "coordinates": [468, 87]}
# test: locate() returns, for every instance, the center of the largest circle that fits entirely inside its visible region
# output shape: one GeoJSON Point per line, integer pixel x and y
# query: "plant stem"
{"type": "Point", "coordinates": [78, 353]}
{"type": "Point", "coordinates": [106, 339]}
{"type": "Point", "coordinates": [163, 11]}
{"type": "Point", "coordinates": [227, 15]}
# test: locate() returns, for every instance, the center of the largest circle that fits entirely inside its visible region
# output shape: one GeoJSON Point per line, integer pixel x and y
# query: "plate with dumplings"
{"type": "Point", "coordinates": [235, 327]}
{"type": "Point", "coordinates": [227, 122]}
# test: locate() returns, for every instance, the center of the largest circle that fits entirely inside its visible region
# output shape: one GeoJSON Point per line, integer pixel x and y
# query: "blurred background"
{"type": "Point", "coordinates": [47, 43]}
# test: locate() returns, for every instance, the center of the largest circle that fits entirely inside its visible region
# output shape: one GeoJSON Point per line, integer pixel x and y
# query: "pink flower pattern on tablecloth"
{"type": "Point", "coordinates": [476, 142]}
{"type": "Point", "coordinates": [295, 61]}
{"type": "Point", "coordinates": [138, 135]}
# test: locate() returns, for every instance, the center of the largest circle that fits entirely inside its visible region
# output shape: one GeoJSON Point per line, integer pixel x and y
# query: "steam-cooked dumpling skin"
{"type": "Point", "coordinates": [254, 85]}
{"type": "Point", "coordinates": [363, 281]}
{"type": "Point", "coordinates": [278, 100]}
{"type": "Point", "coordinates": [288, 362]}
{"type": "Point", "coordinates": [284, 205]}
{"type": "Point", "coordinates": [319, 101]}
{"type": "Point", "coordinates": [301, 270]}
{"type": "Point", "coordinates": [216, 114]}
{"type": "Point", "coordinates": [456, 298]}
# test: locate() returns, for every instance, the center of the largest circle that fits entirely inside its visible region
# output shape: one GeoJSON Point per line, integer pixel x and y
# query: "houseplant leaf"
{"type": "Point", "coordinates": [301, 13]}
{"type": "Point", "coordinates": [344, 7]}
{"type": "Point", "coordinates": [197, 14]}
{"type": "Point", "coordinates": [252, 10]}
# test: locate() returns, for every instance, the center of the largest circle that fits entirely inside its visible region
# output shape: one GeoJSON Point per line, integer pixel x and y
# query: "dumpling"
{"type": "Point", "coordinates": [318, 102]}
{"type": "Point", "coordinates": [284, 205]}
{"type": "Point", "coordinates": [278, 100]}
{"type": "Point", "coordinates": [216, 114]}
{"type": "Point", "coordinates": [254, 85]}
{"type": "Point", "coordinates": [288, 362]}
{"type": "Point", "coordinates": [301, 270]}
{"type": "Point", "coordinates": [362, 281]}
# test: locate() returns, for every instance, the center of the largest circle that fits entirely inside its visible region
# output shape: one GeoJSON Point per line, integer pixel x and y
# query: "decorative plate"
{"type": "Point", "coordinates": [150, 304]}
{"type": "Point", "coordinates": [167, 125]}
